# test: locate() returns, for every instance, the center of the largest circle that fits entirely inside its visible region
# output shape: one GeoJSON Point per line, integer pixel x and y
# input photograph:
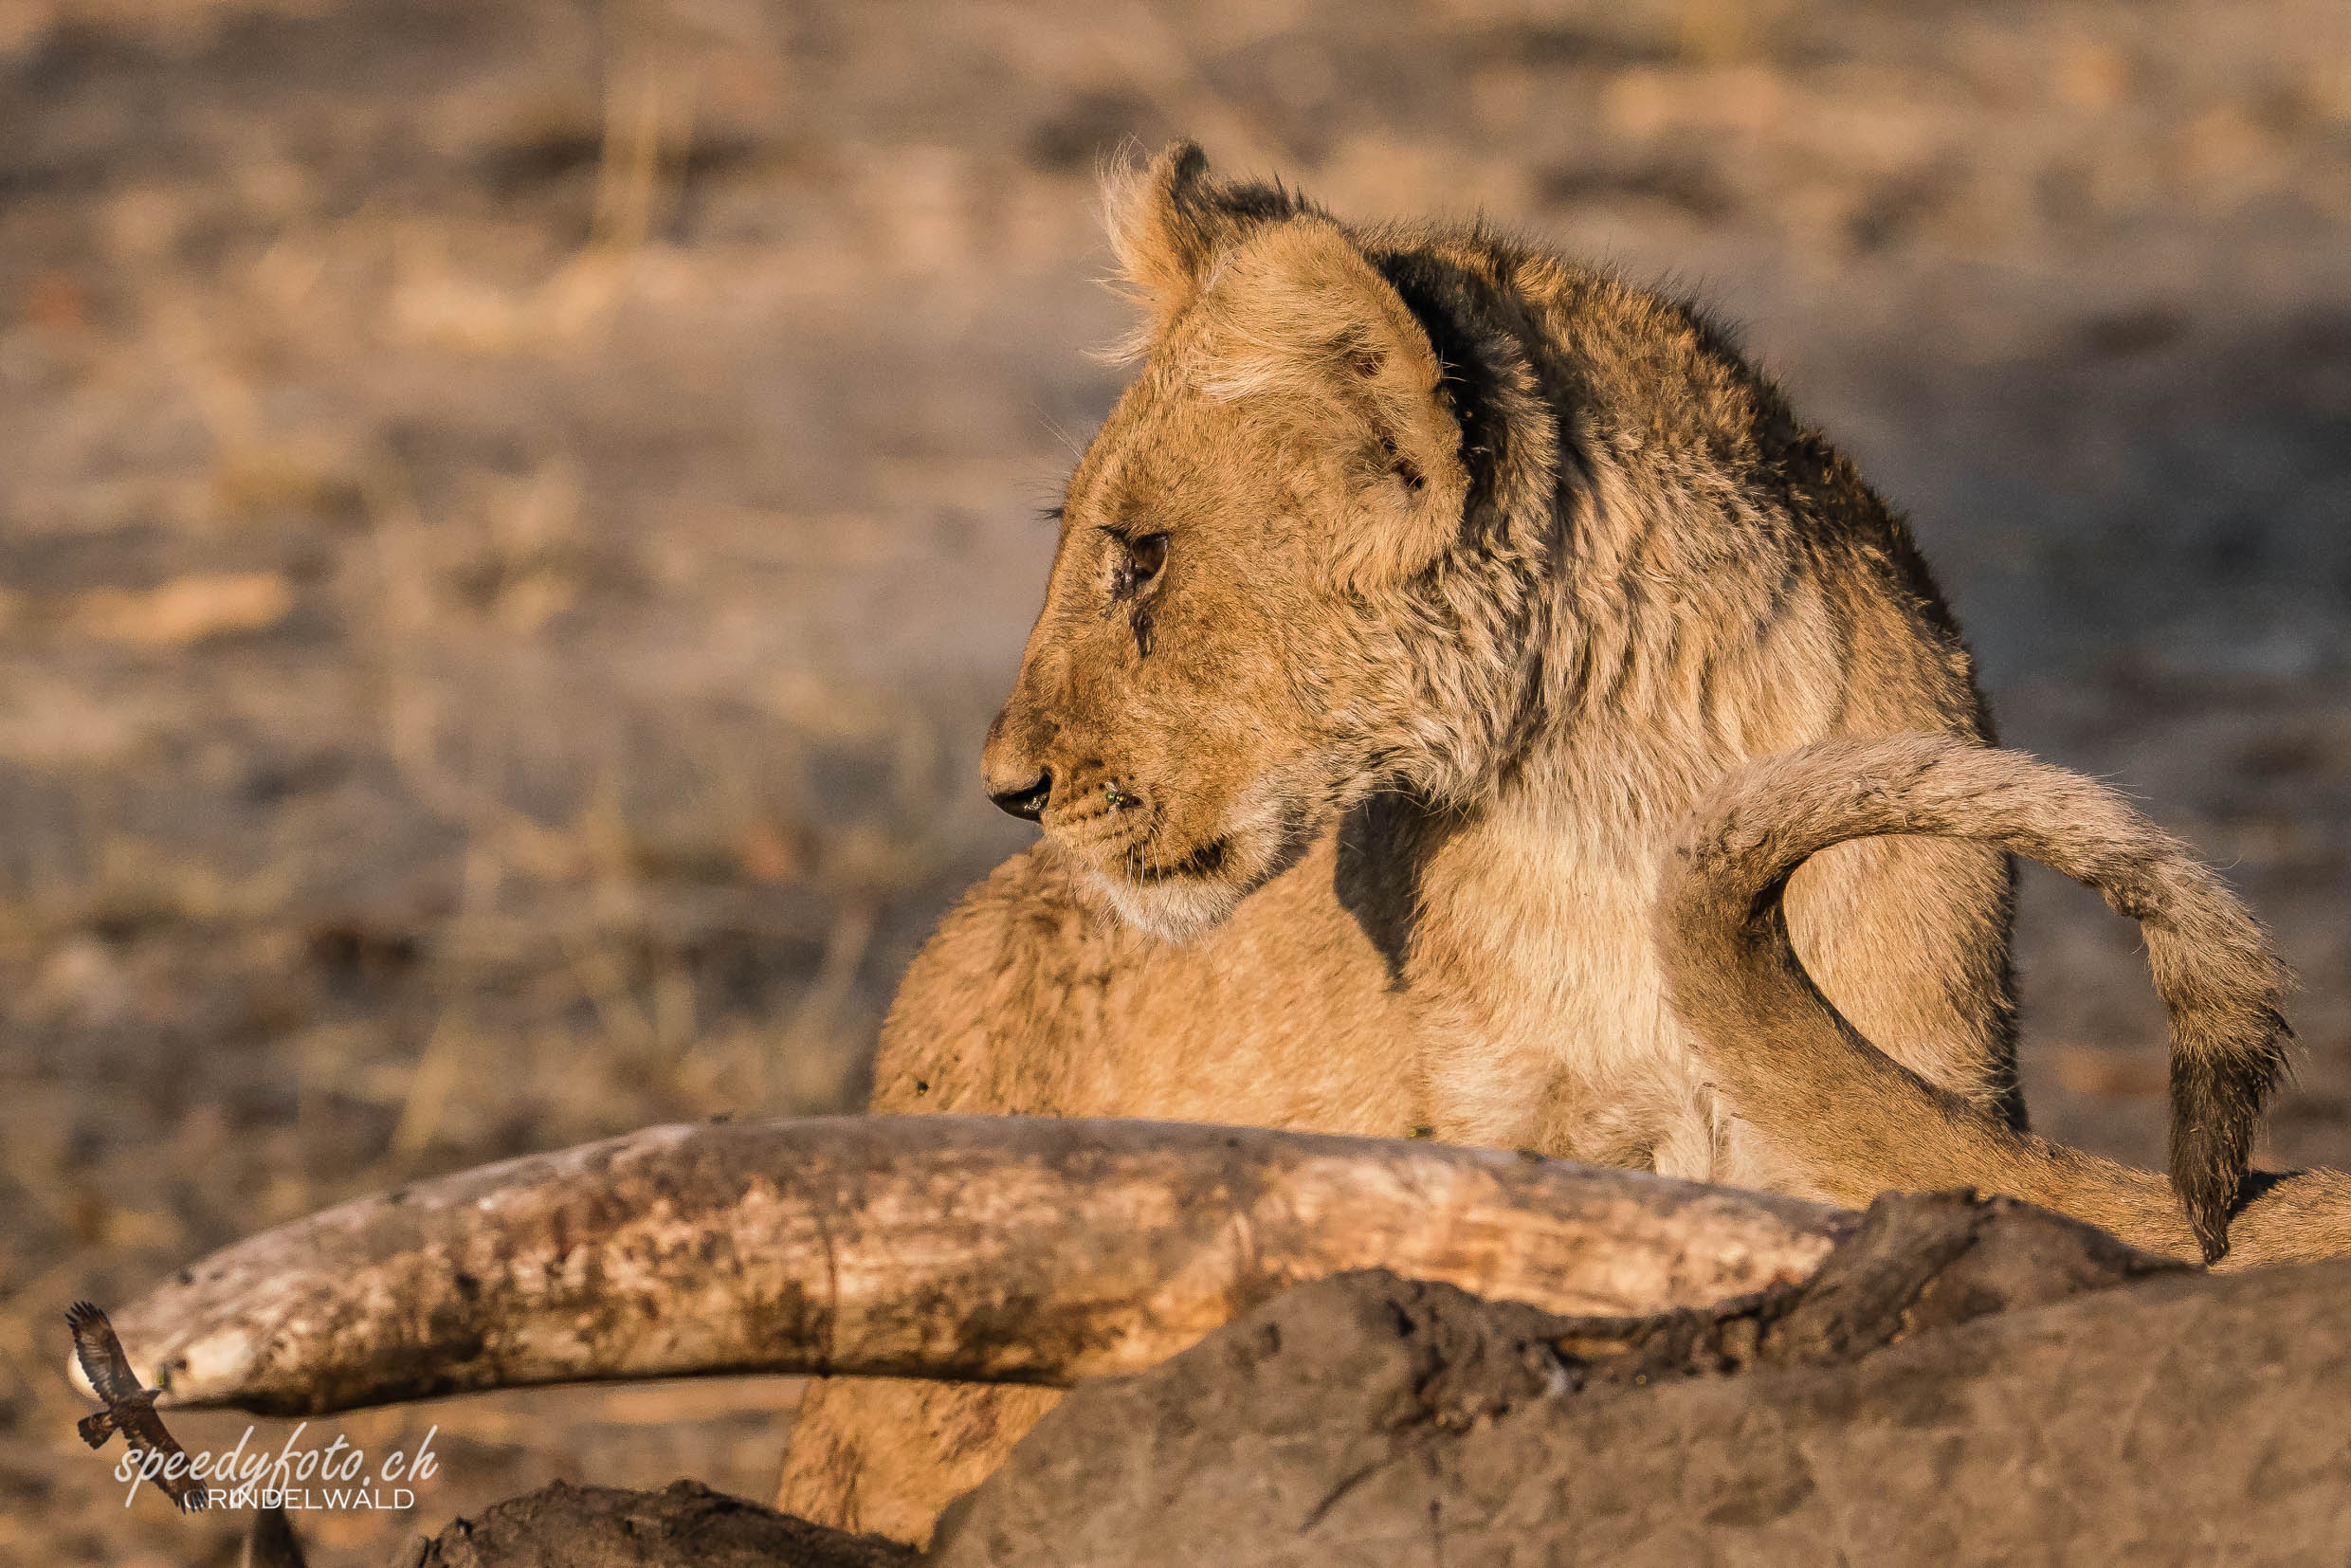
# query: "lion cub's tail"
{"type": "Point", "coordinates": [1852, 1121]}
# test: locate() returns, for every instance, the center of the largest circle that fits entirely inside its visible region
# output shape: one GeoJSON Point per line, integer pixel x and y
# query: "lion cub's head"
{"type": "Point", "coordinates": [1252, 612]}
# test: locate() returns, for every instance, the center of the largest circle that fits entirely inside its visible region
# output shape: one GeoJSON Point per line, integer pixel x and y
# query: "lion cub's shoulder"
{"type": "Point", "coordinates": [997, 978]}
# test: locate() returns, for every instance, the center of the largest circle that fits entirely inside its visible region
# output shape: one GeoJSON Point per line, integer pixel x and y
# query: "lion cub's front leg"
{"type": "Point", "coordinates": [884, 1455]}
{"type": "Point", "coordinates": [974, 1029]}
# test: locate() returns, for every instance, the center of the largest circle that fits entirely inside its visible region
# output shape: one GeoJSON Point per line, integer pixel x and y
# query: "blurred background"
{"type": "Point", "coordinates": [515, 514]}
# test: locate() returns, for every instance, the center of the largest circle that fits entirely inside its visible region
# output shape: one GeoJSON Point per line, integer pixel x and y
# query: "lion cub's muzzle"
{"type": "Point", "coordinates": [1030, 771]}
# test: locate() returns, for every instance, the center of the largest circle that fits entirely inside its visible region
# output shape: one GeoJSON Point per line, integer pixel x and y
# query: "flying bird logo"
{"type": "Point", "coordinates": [130, 1408]}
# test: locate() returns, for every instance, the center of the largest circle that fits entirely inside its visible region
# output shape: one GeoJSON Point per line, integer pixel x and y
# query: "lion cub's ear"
{"type": "Point", "coordinates": [1169, 223]}
{"type": "Point", "coordinates": [1299, 314]}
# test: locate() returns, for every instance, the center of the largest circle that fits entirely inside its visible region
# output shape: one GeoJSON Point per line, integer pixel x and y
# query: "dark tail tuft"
{"type": "Point", "coordinates": [2216, 1106]}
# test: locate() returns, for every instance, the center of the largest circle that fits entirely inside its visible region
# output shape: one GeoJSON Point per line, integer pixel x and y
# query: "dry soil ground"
{"type": "Point", "coordinates": [514, 515]}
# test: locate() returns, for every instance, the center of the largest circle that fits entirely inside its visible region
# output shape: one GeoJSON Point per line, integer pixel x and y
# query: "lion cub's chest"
{"type": "Point", "coordinates": [1542, 1015]}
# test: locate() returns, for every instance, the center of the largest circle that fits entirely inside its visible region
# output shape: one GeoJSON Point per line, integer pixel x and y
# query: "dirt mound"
{"type": "Point", "coordinates": [561, 1527]}
{"type": "Point", "coordinates": [1964, 1384]}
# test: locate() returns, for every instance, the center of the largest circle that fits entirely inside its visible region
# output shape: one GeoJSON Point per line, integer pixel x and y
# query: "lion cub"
{"type": "Point", "coordinates": [1403, 605]}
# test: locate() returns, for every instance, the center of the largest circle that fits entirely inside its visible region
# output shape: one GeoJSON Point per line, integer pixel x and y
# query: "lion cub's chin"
{"type": "Point", "coordinates": [1201, 890]}
{"type": "Point", "coordinates": [1174, 910]}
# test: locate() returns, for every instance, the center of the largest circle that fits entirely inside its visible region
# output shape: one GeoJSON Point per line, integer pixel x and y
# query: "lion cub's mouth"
{"type": "Point", "coordinates": [1201, 863]}
{"type": "Point", "coordinates": [1131, 855]}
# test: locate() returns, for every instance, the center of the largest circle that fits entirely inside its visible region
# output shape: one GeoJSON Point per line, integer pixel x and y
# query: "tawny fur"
{"type": "Point", "coordinates": [1853, 1121]}
{"type": "Point", "coordinates": [1409, 599]}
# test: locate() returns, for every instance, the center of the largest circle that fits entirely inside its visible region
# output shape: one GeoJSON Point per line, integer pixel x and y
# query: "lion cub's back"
{"type": "Point", "coordinates": [1029, 1000]}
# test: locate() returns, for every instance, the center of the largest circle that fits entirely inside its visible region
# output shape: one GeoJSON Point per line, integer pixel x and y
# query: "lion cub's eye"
{"type": "Point", "coordinates": [1146, 555]}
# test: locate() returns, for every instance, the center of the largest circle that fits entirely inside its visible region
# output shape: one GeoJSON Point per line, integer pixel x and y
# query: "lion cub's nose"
{"type": "Point", "coordinates": [1028, 801]}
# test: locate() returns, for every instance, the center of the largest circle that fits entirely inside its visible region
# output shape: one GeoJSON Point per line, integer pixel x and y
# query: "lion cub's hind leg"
{"type": "Point", "coordinates": [882, 1455]}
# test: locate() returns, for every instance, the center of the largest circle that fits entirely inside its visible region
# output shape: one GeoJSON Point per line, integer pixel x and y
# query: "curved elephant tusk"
{"type": "Point", "coordinates": [994, 1250]}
